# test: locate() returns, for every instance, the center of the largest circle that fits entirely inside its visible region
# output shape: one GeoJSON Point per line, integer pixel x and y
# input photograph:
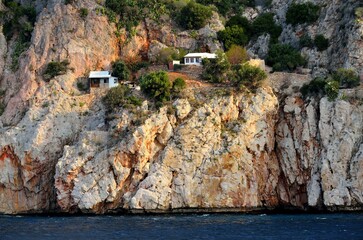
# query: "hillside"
{"type": "Point", "coordinates": [213, 147]}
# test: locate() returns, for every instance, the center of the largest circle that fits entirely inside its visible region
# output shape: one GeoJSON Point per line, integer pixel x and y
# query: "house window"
{"type": "Point", "coordinates": [198, 60]}
{"type": "Point", "coordinates": [186, 60]}
{"type": "Point", "coordinates": [115, 81]}
{"type": "Point", "coordinates": [105, 80]}
{"type": "Point", "coordinates": [193, 60]}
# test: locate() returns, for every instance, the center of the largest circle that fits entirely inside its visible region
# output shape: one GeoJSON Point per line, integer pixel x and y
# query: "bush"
{"type": "Point", "coordinates": [284, 57]}
{"type": "Point", "coordinates": [233, 36]}
{"type": "Point", "coordinates": [346, 78]}
{"type": "Point", "coordinates": [306, 41]}
{"type": "Point", "coordinates": [194, 15]}
{"type": "Point", "coordinates": [321, 42]}
{"type": "Point", "coordinates": [120, 70]}
{"type": "Point", "coordinates": [83, 12]}
{"type": "Point", "coordinates": [314, 88]}
{"type": "Point", "coordinates": [178, 85]}
{"type": "Point", "coordinates": [302, 13]}
{"type": "Point", "coordinates": [216, 70]}
{"type": "Point", "coordinates": [168, 54]}
{"type": "Point", "coordinates": [249, 76]}
{"type": "Point", "coordinates": [265, 24]}
{"type": "Point", "coordinates": [157, 85]}
{"type": "Point", "coordinates": [81, 86]}
{"type": "Point", "coordinates": [228, 6]}
{"type": "Point", "coordinates": [332, 90]}
{"type": "Point", "coordinates": [241, 22]}
{"type": "Point", "coordinates": [55, 68]}
{"type": "Point", "coordinates": [2, 108]}
{"type": "Point", "coordinates": [120, 96]}
{"type": "Point", "coordinates": [237, 55]}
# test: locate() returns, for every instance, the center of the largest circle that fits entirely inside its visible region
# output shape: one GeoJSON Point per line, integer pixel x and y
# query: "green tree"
{"type": "Point", "coordinates": [156, 85]}
{"type": "Point", "coordinates": [178, 85]}
{"type": "Point", "coordinates": [241, 22]}
{"type": "Point", "coordinates": [321, 42]}
{"type": "Point", "coordinates": [233, 36]}
{"type": "Point", "coordinates": [302, 13]}
{"type": "Point", "coordinates": [346, 78]}
{"type": "Point", "coordinates": [306, 41]}
{"type": "Point", "coordinates": [284, 57]}
{"type": "Point", "coordinates": [216, 70]}
{"type": "Point", "coordinates": [237, 55]}
{"type": "Point", "coordinates": [265, 23]}
{"type": "Point", "coordinates": [194, 15]}
{"type": "Point", "coordinates": [55, 68]}
{"type": "Point", "coordinates": [248, 76]}
{"type": "Point", "coordinates": [120, 70]}
{"type": "Point", "coordinates": [120, 96]}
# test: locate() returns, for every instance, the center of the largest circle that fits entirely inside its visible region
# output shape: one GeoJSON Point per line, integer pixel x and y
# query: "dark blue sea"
{"type": "Point", "coordinates": [206, 226]}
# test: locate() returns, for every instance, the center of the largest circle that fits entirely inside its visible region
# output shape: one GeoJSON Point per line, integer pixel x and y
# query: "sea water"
{"type": "Point", "coordinates": [189, 226]}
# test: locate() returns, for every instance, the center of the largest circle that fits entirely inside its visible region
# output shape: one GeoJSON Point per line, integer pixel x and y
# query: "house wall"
{"type": "Point", "coordinates": [193, 61]}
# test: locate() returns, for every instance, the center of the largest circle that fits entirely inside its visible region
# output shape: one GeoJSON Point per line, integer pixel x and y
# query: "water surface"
{"type": "Point", "coordinates": [206, 226]}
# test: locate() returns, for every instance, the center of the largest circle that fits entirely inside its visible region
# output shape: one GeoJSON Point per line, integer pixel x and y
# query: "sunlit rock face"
{"type": "Point", "coordinates": [219, 150]}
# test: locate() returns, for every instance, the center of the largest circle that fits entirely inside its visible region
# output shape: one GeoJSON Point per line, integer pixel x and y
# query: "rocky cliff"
{"type": "Point", "coordinates": [215, 149]}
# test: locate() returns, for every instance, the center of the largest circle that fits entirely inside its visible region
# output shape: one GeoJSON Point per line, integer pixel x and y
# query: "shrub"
{"type": "Point", "coordinates": [216, 70]}
{"type": "Point", "coordinates": [321, 42]}
{"type": "Point", "coordinates": [168, 54]}
{"type": "Point", "coordinates": [306, 41]}
{"type": "Point", "coordinates": [55, 68]}
{"type": "Point", "coordinates": [314, 88]}
{"type": "Point", "coordinates": [265, 24]}
{"type": "Point", "coordinates": [178, 85]}
{"type": "Point", "coordinates": [249, 76]}
{"type": "Point", "coordinates": [194, 15]}
{"type": "Point", "coordinates": [302, 13]}
{"type": "Point", "coordinates": [120, 70]}
{"type": "Point", "coordinates": [233, 35]}
{"type": "Point", "coordinates": [332, 90]}
{"type": "Point", "coordinates": [227, 6]}
{"type": "Point", "coordinates": [346, 78]}
{"type": "Point", "coordinates": [157, 85]}
{"type": "Point", "coordinates": [237, 55]}
{"type": "Point", "coordinates": [239, 21]}
{"type": "Point", "coordinates": [120, 96]}
{"type": "Point", "coordinates": [81, 86]}
{"type": "Point", "coordinates": [2, 108]}
{"type": "Point", "coordinates": [284, 57]}
{"type": "Point", "coordinates": [83, 12]}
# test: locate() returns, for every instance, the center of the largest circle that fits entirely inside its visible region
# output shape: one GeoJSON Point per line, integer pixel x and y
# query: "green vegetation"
{"type": "Point", "coordinates": [241, 22]}
{"type": "Point", "coordinates": [2, 108]}
{"type": "Point", "coordinates": [265, 23]}
{"type": "Point", "coordinates": [120, 70]}
{"type": "Point", "coordinates": [284, 57]}
{"type": "Point", "coordinates": [237, 55]}
{"type": "Point", "coordinates": [347, 78]}
{"type": "Point", "coordinates": [194, 15]}
{"type": "Point", "coordinates": [321, 42]}
{"type": "Point", "coordinates": [332, 90]}
{"type": "Point", "coordinates": [302, 13]}
{"type": "Point", "coordinates": [168, 54]}
{"type": "Point", "coordinates": [233, 35]}
{"type": "Point", "coordinates": [229, 6]}
{"type": "Point", "coordinates": [342, 78]}
{"type": "Point", "coordinates": [55, 68]}
{"type": "Point", "coordinates": [120, 96]}
{"type": "Point", "coordinates": [315, 88]}
{"type": "Point", "coordinates": [18, 21]}
{"type": "Point", "coordinates": [81, 86]}
{"type": "Point", "coordinates": [248, 76]}
{"type": "Point", "coordinates": [178, 85]}
{"type": "Point", "coordinates": [216, 70]}
{"type": "Point", "coordinates": [306, 41]}
{"type": "Point", "coordinates": [157, 86]}
{"type": "Point", "coordinates": [83, 12]}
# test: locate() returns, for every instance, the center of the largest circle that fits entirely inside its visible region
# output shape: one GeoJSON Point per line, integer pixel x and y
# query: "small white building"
{"type": "Point", "coordinates": [102, 79]}
{"type": "Point", "coordinates": [196, 58]}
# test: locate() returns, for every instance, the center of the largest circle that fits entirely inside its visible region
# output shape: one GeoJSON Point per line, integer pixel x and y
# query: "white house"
{"type": "Point", "coordinates": [196, 58]}
{"type": "Point", "coordinates": [102, 79]}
